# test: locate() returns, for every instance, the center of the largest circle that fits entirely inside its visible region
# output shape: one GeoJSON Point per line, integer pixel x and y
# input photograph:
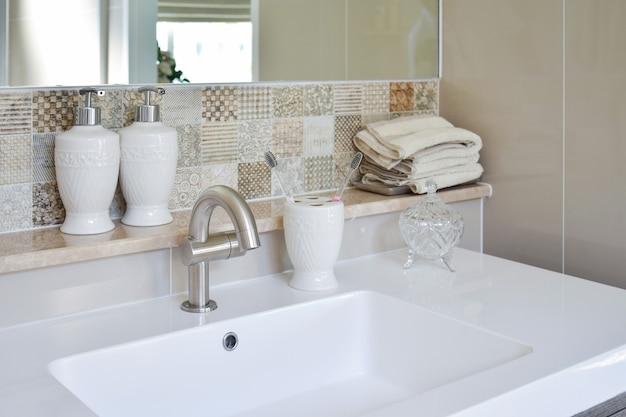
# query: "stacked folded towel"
{"type": "Point", "coordinates": [411, 150]}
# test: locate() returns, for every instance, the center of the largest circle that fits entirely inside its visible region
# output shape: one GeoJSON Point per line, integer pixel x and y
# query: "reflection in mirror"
{"type": "Point", "coordinates": [358, 40]}
{"type": "Point", "coordinates": [206, 51]}
{"type": "Point", "coordinates": [115, 41]}
{"type": "Point", "coordinates": [41, 51]}
{"type": "Point", "coordinates": [210, 40]}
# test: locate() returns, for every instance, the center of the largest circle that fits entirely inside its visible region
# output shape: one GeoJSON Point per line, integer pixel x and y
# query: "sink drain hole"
{"type": "Point", "coordinates": [230, 341]}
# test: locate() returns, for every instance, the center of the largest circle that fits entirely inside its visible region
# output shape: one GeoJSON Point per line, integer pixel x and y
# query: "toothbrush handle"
{"type": "Point", "coordinates": [288, 197]}
{"type": "Point", "coordinates": [339, 193]}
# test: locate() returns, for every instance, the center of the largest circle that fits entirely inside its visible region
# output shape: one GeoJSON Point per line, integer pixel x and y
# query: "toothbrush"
{"type": "Point", "coordinates": [356, 161]}
{"type": "Point", "coordinates": [273, 163]}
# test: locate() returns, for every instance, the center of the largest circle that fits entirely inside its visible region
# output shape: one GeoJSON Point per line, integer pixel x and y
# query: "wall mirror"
{"type": "Point", "coordinates": [94, 42]}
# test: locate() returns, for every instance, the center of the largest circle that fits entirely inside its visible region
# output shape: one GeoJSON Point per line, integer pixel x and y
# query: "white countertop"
{"type": "Point", "coordinates": [575, 328]}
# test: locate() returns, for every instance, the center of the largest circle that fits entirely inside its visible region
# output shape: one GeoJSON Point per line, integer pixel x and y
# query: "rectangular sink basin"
{"type": "Point", "coordinates": [339, 356]}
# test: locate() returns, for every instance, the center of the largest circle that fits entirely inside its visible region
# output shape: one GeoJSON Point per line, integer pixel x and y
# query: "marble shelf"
{"type": "Point", "coordinates": [40, 248]}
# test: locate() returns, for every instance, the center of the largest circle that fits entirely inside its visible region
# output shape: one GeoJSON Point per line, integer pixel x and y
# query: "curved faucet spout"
{"type": "Point", "coordinates": [199, 247]}
{"type": "Point", "coordinates": [236, 207]}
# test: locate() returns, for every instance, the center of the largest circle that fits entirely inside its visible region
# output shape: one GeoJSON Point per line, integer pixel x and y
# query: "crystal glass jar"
{"type": "Point", "coordinates": [431, 228]}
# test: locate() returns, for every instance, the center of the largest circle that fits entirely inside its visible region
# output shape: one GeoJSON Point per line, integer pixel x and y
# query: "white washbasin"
{"type": "Point", "coordinates": [339, 356]}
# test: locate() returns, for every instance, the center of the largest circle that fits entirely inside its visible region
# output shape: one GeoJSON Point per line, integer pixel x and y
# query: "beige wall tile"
{"type": "Point", "coordinates": [502, 78]}
{"type": "Point", "coordinates": [595, 147]}
{"type": "Point", "coordinates": [554, 129]}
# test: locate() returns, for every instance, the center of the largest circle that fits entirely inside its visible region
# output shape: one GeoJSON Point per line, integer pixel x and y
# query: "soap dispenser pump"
{"type": "Point", "coordinates": [87, 160]}
{"type": "Point", "coordinates": [149, 153]}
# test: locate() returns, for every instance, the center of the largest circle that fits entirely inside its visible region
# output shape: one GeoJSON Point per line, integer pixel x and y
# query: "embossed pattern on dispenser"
{"type": "Point", "coordinates": [87, 160]}
{"type": "Point", "coordinates": [149, 153]}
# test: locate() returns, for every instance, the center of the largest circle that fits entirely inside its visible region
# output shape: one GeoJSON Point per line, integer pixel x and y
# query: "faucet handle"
{"type": "Point", "coordinates": [219, 246]}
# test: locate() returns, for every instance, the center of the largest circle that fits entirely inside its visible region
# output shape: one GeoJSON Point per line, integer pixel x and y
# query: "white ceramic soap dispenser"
{"type": "Point", "coordinates": [148, 165]}
{"type": "Point", "coordinates": [87, 160]}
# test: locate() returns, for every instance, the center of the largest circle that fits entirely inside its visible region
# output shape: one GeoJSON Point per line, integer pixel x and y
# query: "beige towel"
{"type": "Point", "coordinates": [391, 150]}
{"type": "Point", "coordinates": [407, 169]}
{"type": "Point", "coordinates": [444, 178]}
{"type": "Point", "coordinates": [421, 168]}
{"type": "Point", "coordinates": [372, 148]}
{"type": "Point", "coordinates": [445, 150]}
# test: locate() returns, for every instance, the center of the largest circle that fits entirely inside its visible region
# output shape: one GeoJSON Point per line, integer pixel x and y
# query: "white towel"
{"type": "Point", "coordinates": [389, 151]}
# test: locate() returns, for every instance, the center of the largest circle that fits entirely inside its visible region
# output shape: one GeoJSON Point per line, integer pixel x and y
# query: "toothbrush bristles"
{"type": "Point", "coordinates": [270, 159]}
{"type": "Point", "coordinates": [356, 161]}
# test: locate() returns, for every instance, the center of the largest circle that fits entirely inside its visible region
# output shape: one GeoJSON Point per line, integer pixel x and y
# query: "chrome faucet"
{"type": "Point", "coordinates": [199, 247]}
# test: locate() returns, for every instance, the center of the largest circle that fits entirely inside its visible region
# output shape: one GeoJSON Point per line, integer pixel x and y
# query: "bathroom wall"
{"type": "Point", "coordinates": [543, 82]}
{"type": "Point", "coordinates": [223, 132]}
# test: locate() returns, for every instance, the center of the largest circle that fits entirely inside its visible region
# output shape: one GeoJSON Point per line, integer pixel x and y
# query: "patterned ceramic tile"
{"type": "Point", "coordinates": [47, 205]}
{"type": "Point", "coordinates": [287, 137]}
{"type": "Point", "coordinates": [219, 142]}
{"type": "Point", "coordinates": [219, 104]}
{"type": "Point", "coordinates": [318, 100]}
{"type": "Point", "coordinates": [341, 168]}
{"type": "Point", "coordinates": [53, 110]}
{"type": "Point", "coordinates": [15, 159]}
{"type": "Point", "coordinates": [43, 157]}
{"type": "Point", "coordinates": [254, 138]}
{"type": "Point", "coordinates": [318, 173]}
{"type": "Point", "coordinates": [375, 97]}
{"type": "Point", "coordinates": [130, 100]}
{"type": "Point", "coordinates": [111, 108]}
{"type": "Point", "coordinates": [396, 114]}
{"type": "Point", "coordinates": [348, 98]}
{"type": "Point", "coordinates": [16, 113]}
{"type": "Point", "coordinates": [189, 152]}
{"type": "Point", "coordinates": [313, 151]}
{"type": "Point", "coordinates": [182, 106]}
{"type": "Point", "coordinates": [371, 118]}
{"type": "Point", "coordinates": [187, 188]}
{"type": "Point", "coordinates": [118, 205]}
{"type": "Point", "coordinates": [288, 101]}
{"type": "Point", "coordinates": [255, 102]}
{"type": "Point", "coordinates": [401, 96]}
{"type": "Point", "coordinates": [427, 97]}
{"type": "Point", "coordinates": [254, 180]}
{"type": "Point", "coordinates": [319, 137]}
{"type": "Point", "coordinates": [15, 207]}
{"type": "Point", "coordinates": [345, 129]}
{"type": "Point", "coordinates": [289, 173]}
{"type": "Point", "coordinates": [219, 174]}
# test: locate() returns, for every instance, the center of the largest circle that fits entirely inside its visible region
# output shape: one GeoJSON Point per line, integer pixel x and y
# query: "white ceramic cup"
{"type": "Point", "coordinates": [313, 233]}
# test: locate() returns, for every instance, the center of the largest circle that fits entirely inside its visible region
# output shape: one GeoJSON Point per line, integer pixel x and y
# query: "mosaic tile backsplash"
{"type": "Point", "coordinates": [223, 132]}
